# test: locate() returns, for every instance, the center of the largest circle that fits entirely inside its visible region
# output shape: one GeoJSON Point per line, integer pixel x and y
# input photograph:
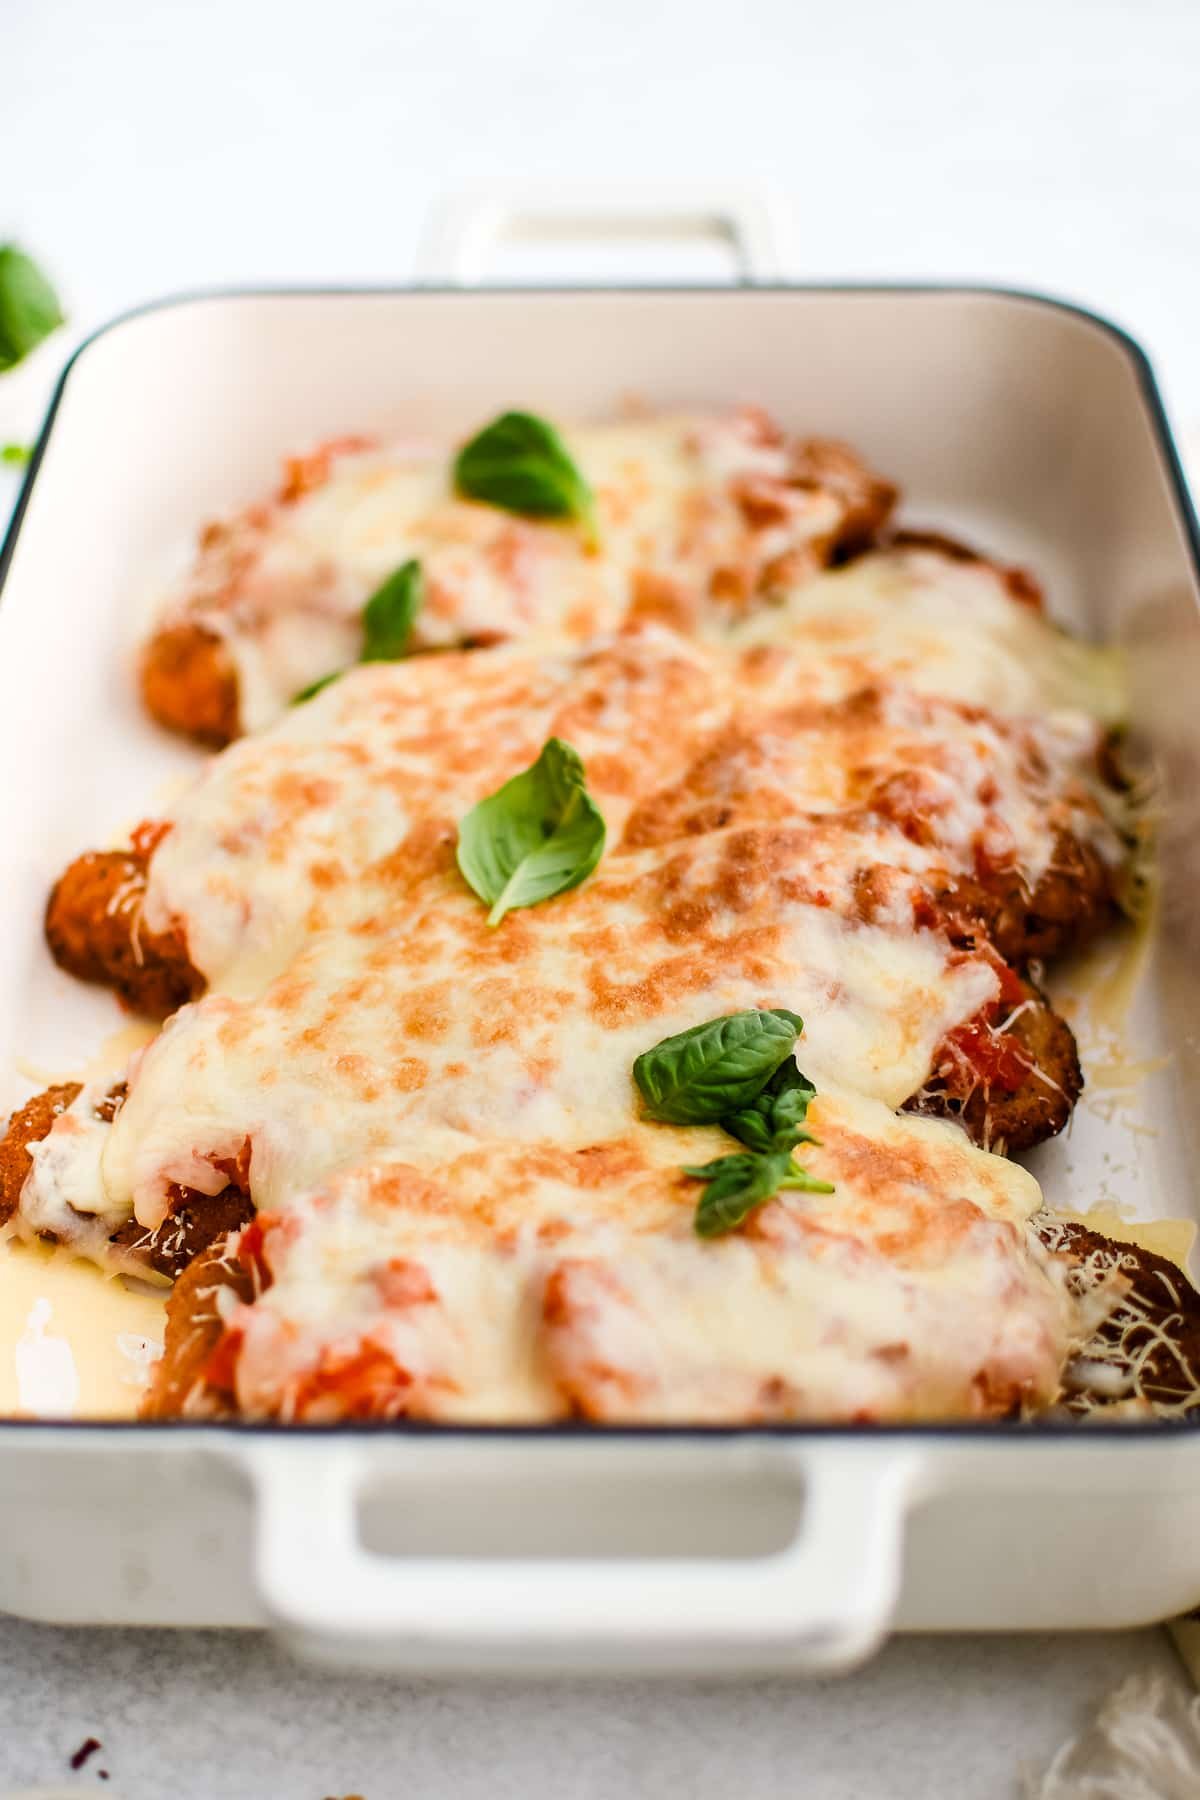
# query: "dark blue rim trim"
{"type": "Point", "coordinates": [996, 1431]}
{"type": "Point", "coordinates": [1025, 1431]}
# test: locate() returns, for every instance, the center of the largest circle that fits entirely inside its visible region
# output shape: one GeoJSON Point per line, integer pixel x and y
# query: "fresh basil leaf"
{"type": "Point", "coordinates": [29, 309]}
{"type": "Point", "coordinates": [520, 463]}
{"type": "Point", "coordinates": [537, 836]}
{"type": "Point", "coordinates": [16, 455]}
{"type": "Point", "coordinates": [315, 687]}
{"type": "Point", "coordinates": [752, 1126]}
{"type": "Point", "coordinates": [735, 1185]}
{"type": "Point", "coordinates": [789, 1096]}
{"type": "Point", "coordinates": [390, 614]}
{"type": "Point", "coordinates": [775, 1120]}
{"type": "Point", "coordinates": [687, 1080]}
{"type": "Point", "coordinates": [388, 619]}
{"type": "Point", "coordinates": [789, 1079]}
{"type": "Point", "coordinates": [796, 1177]}
{"type": "Point", "coordinates": [700, 1075]}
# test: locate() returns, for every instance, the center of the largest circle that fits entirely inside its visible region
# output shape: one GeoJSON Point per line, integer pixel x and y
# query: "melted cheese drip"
{"type": "Point", "coordinates": [72, 1344]}
{"type": "Point", "coordinates": [1096, 991]}
{"type": "Point", "coordinates": [945, 627]}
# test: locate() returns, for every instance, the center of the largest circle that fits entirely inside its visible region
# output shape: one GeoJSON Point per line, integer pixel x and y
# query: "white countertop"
{"type": "Point", "coordinates": [1048, 143]}
{"type": "Point", "coordinates": [222, 1716]}
{"type": "Point", "coordinates": [151, 148]}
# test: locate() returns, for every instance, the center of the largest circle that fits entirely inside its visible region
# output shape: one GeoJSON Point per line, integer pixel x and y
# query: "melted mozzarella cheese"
{"type": "Point", "coordinates": [919, 783]}
{"type": "Point", "coordinates": [386, 760]}
{"type": "Point", "coordinates": [72, 1345]}
{"type": "Point", "coordinates": [409, 1023]}
{"type": "Point", "coordinates": [62, 1198]}
{"type": "Point", "coordinates": [285, 584]}
{"type": "Point", "coordinates": [456, 1191]}
{"type": "Point", "coordinates": [943, 626]}
{"type": "Point", "coordinates": [517, 1283]}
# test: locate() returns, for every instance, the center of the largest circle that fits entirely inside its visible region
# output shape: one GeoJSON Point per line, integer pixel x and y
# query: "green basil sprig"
{"type": "Point", "coordinates": [316, 687]}
{"type": "Point", "coordinates": [387, 620]}
{"type": "Point", "coordinates": [29, 308]}
{"type": "Point", "coordinates": [739, 1072]}
{"type": "Point", "coordinates": [773, 1127]}
{"type": "Point", "coordinates": [391, 613]}
{"type": "Point", "coordinates": [781, 1108]}
{"type": "Point", "coordinates": [537, 836]}
{"type": "Point", "coordinates": [735, 1185]}
{"type": "Point", "coordinates": [698, 1076]}
{"type": "Point", "coordinates": [520, 464]}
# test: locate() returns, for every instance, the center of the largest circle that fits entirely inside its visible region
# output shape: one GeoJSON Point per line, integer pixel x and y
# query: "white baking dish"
{"type": "Point", "coordinates": [1026, 423]}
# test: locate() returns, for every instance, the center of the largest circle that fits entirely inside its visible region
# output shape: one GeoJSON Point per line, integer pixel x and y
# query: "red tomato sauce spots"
{"type": "Point", "coordinates": [251, 1250]}
{"type": "Point", "coordinates": [994, 851]}
{"type": "Point", "coordinates": [927, 914]}
{"type": "Point", "coordinates": [905, 799]}
{"type": "Point", "coordinates": [303, 474]}
{"type": "Point", "coordinates": [147, 836]}
{"type": "Point", "coordinates": [367, 1384]}
{"type": "Point", "coordinates": [236, 1169]}
{"type": "Point", "coordinates": [993, 1059]}
{"type": "Point", "coordinates": [1012, 989]}
{"type": "Point", "coordinates": [221, 1367]}
{"type": "Point", "coordinates": [403, 1283]}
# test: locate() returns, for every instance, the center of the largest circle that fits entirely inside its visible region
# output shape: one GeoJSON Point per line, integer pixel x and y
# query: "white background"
{"type": "Point", "coordinates": [151, 147]}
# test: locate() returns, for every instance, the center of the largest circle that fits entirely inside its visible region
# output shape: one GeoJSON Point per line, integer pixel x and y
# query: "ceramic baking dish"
{"type": "Point", "coordinates": [1028, 424]}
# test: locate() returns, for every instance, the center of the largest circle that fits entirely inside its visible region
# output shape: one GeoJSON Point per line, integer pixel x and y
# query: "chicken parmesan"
{"type": "Point", "coordinates": [605, 978]}
{"type": "Point", "coordinates": [697, 520]}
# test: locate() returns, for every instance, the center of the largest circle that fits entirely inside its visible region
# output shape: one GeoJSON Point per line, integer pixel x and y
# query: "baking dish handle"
{"type": "Point", "coordinates": [463, 233]}
{"type": "Point", "coordinates": [822, 1603]}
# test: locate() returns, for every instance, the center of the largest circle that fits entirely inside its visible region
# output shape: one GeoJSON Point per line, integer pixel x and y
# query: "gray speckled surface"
{"type": "Point", "coordinates": [223, 1716]}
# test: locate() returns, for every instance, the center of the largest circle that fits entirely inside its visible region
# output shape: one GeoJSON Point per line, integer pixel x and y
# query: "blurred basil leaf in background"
{"type": "Point", "coordinates": [29, 308]}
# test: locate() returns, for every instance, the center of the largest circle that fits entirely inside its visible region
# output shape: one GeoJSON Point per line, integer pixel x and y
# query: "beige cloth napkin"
{"type": "Point", "coordinates": [1143, 1744]}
